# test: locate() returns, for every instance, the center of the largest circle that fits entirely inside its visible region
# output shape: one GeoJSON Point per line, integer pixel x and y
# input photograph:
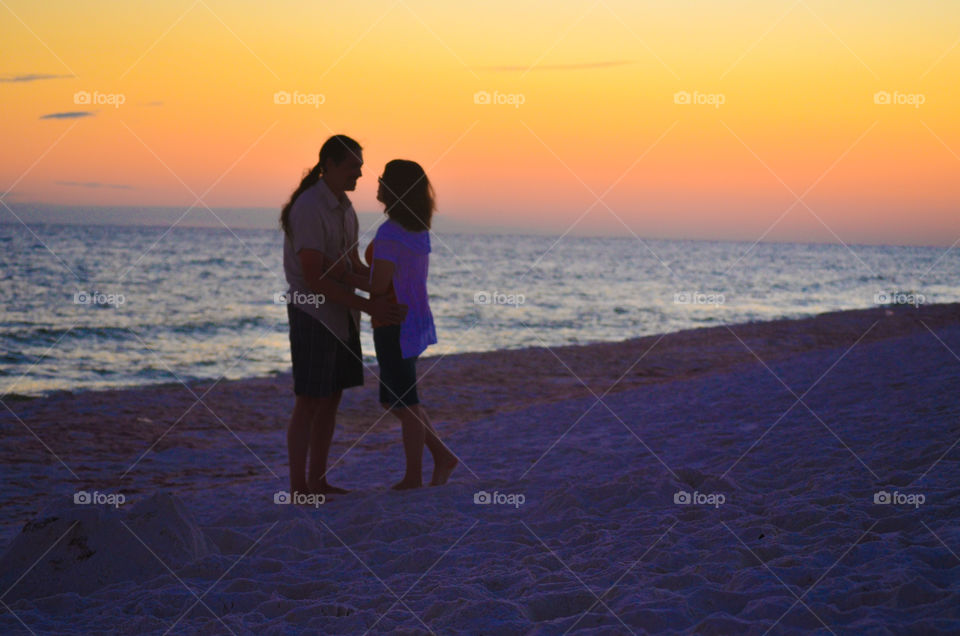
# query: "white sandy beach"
{"type": "Point", "coordinates": [785, 437]}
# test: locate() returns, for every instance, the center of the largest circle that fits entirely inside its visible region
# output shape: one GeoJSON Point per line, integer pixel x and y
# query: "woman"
{"type": "Point", "coordinates": [399, 257]}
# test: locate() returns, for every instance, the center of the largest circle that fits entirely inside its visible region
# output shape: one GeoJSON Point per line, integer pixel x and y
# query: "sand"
{"type": "Point", "coordinates": [721, 480]}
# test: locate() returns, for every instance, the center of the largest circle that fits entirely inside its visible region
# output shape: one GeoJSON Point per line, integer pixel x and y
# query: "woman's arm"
{"type": "Point", "coordinates": [381, 278]}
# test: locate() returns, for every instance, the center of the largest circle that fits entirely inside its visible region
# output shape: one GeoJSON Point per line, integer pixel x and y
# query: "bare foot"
{"type": "Point", "coordinates": [407, 485]}
{"type": "Point", "coordinates": [442, 470]}
{"type": "Point", "coordinates": [323, 488]}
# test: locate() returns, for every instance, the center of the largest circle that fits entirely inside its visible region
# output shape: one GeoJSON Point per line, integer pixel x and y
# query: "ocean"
{"type": "Point", "coordinates": [95, 306]}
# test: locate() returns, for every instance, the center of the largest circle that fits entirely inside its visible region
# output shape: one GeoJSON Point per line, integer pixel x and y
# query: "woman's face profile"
{"type": "Point", "coordinates": [380, 189]}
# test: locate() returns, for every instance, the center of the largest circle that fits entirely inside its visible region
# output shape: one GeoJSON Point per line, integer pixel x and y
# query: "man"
{"type": "Point", "coordinates": [322, 266]}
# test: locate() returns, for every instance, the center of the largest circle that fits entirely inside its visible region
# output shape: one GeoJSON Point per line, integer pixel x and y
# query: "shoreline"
{"type": "Point", "coordinates": [899, 312]}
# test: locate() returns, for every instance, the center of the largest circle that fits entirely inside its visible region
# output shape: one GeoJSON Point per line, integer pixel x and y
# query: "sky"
{"type": "Point", "coordinates": [794, 120]}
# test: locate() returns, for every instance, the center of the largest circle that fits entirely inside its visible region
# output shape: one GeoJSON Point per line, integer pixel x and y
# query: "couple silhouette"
{"type": "Point", "coordinates": [322, 265]}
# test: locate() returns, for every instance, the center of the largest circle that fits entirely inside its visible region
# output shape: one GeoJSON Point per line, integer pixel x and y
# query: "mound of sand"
{"type": "Point", "coordinates": [72, 547]}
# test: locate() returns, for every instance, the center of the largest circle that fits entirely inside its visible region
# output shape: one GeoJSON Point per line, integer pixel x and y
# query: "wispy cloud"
{"type": "Point", "coordinates": [95, 184]}
{"type": "Point", "coordinates": [74, 114]}
{"type": "Point", "coordinates": [33, 77]}
{"type": "Point", "coordinates": [582, 66]}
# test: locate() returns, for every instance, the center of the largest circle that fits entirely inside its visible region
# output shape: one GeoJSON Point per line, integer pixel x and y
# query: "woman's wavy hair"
{"type": "Point", "coordinates": [336, 148]}
{"type": "Point", "coordinates": [408, 195]}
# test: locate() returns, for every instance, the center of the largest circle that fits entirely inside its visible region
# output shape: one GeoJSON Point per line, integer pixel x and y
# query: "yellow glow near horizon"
{"type": "Point", "coordinates": [797, 82]}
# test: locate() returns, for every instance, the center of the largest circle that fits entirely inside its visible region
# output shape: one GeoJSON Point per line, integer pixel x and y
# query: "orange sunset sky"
{"type": "Point", "coordinates": [792, 138]}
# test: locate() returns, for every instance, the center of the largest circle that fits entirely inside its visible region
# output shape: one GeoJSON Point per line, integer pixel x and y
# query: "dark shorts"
{"type": "Point", "coordinates": [322, 364]}
{"type": "Point", "coordinates": [398, 375]}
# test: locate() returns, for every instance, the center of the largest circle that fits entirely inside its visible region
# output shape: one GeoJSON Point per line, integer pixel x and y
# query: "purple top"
{"type": "Point", "coordinates": [410, 254]}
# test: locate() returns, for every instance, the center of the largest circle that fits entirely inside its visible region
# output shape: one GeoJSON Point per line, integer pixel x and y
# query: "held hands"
{"type": "Point", "coordinates": [342, 273]}
{"type": "Point", "coordinates": [387, 312]}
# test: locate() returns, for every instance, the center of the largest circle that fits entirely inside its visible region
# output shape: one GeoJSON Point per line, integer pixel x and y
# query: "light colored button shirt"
{"type": "Point", "coordinates": [410, 254]}
{"type": "Point", "coordinates": [319, 221]}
